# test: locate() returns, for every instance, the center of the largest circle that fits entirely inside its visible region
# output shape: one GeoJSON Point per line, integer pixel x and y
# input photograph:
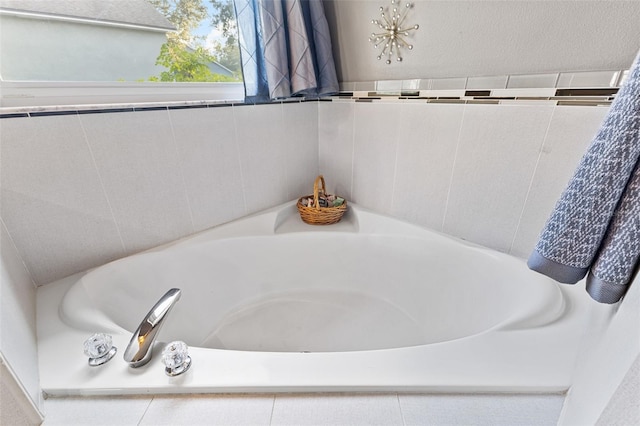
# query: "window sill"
{"type": "Point", "coordinates": [20, 96]}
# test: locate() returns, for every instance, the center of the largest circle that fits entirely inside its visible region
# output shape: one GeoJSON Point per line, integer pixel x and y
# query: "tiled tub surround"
{"type": "Point", "coordinates": [67, 248]}
{"type": "Point", "coordinates": [485, 173]}
{"type": "Point", "coordinates": [81, 189]}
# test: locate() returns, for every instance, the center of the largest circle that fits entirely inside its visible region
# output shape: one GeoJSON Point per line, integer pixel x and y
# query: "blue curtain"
{"type": "Point", "coordinates": [285, 49]}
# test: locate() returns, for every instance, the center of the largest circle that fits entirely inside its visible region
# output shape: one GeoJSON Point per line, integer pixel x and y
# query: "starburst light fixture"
{"type": "Point", "coordinates": [393, 31]}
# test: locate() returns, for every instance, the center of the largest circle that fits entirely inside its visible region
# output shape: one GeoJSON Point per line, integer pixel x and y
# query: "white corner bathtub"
{"type": "Point", "coordinates": [270, 304]}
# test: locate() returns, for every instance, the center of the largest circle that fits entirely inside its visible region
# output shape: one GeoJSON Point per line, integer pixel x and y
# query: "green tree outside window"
{"type": "Point", "coordinates": [184, 55]}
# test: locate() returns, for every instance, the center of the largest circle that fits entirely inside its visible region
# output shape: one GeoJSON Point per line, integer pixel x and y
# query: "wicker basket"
{"type": "Point", "coordinates": [316, 215]}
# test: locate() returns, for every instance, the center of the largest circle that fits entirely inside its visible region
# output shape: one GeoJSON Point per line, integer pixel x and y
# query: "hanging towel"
{"type": "Point", "coordinates": [595, 226]}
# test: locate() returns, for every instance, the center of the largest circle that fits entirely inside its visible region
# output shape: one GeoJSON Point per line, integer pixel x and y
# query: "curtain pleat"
{"type": "Point", "coordinates": [285, 48]}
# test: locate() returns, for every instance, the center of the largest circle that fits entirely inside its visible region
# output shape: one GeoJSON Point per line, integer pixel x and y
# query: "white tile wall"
{"type": "Point", "coordinates": [308, 409]}
{"type": "Point", "coordinates": [427, 143]}
{"type": "Point", "coordinates": [374, 154]}
{"type": "Point", "coordinates": [18, 345]}
{"type": "Point", "coordinates": [496, 82]}
{"type": "Point", "coordinates": [78, 191]}
{"type": "Point", "coordinates": [263, 158]}
{"type": "Point", "coordinates": [138, 163]}
{"type": "Point", "coordinates": [53, 201]}
{"type": "Point", "coordinates": [210, 163]}
{"type": "Point", "coordinates": [335, 145]}
{"type": "Point", "coordinates": [300, 124]}
{"type": "Point", "coordinates": [81, 190]}
{"type": "Point", "coordinates": [486, 173]}
{"type": "Point", "coordinates": [532, 80]}
{"type": "Point", "coordinates": [570, 132]}
{"type": "Point", "coordinates": [498, 150]}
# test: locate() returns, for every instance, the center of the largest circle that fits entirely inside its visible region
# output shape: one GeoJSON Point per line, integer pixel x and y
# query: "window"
{"type": "Point", "coordinates": [113, 51]}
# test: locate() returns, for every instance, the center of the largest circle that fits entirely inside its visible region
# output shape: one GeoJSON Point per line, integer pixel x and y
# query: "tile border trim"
{"type": "Point", "coordinates": [561, 97]}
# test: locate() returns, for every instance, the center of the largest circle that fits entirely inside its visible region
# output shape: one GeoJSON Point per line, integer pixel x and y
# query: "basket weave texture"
{"type": "Point", "coordinates": [316, 215]}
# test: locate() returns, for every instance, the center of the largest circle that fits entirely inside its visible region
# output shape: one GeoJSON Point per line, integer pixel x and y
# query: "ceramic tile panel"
{"type": "Point", "coordinates": [570, 132]}
{"type": "Point", "coordinates": [301, 127]}
{"type": "Point", "coordinates": [347, 86]}
{"type": "Point", "coordinates": [532, 80]}
{"type": "Point", "coordinates": [262, 142]}
{"type": "Point", "coordinates": [451, 93]}
{"type": "Point", "coordinates": [413, 84]}
{"type": "Point", "coordinates": [53, 201]}
{"type": "Point", "coordinates": [497, 82]}
{"type": "Point", "coordinates": [517, 93]}
{"type": "Point", "coordinates": [427, 141]}
{"type": "Point", "coordinates": [389, 85]}
{"type": "Point", "coordinates": [18, 346]}
{"type": "Point", "coordinates": [425, 84]}
{"type": "Point", "coordinates": [138, 162]}
{"type": "Point", "coordinates": [497, 153]}
{"type": "Point", "coordinates": [448, 83]}
{"type": "Point", "coordinates": [208, 153]}
{"type": "Point", "coordinates": [335, 145]}
{"type": "Point", "coordinates": [374, 154]}
{"type": "Point", "coordinates": [489, 410]}
{"type": "Point", "coordinates": [365, 86]}
{"type": "Point", "coordinates": [207, 410]}
{"type": "Point", "coordinates": [589, 79]}
{"type": "Point", "coordinates": [95, 411]}
{"type": "Point", "coordinates": [327, 409]}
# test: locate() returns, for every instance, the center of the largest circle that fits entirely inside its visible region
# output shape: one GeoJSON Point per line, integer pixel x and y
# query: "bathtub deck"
{"type": "Point", "coordinates": [535, 359]}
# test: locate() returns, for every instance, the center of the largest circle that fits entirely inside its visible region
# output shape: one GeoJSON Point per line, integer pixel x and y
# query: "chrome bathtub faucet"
{"type": "Point", "coordinates": [139, 349]}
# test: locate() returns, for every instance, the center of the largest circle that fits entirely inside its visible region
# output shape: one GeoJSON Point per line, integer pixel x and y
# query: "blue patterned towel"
{"type": "Point", "coordinates": [595, 226]}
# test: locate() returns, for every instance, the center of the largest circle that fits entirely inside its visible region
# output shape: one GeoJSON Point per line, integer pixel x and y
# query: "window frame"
{"type": "Point", "coordinates": [47, 94]}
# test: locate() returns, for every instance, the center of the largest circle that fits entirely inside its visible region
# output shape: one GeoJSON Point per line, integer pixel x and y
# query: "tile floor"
{"type": "Point", "coordinates": [307, 409]}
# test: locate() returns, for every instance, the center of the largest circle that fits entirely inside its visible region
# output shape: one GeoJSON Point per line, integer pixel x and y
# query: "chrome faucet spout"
{"type": "Point", "coordinates": [139, 350]}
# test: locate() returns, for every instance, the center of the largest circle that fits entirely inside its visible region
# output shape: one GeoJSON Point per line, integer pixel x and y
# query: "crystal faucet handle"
{"type": "Point", "coordinates": [176, 359]}
{"type": "Point", "coordinates": [99, 348]}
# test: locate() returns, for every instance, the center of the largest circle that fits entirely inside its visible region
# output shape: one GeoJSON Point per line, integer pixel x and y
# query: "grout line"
{"type": "Point", "coordinates": [395, 163]}
{"type": "Point", "coordinates": [181, 167]}
{"type": "Point", "coordinates": [453, 168]}
{"type": "Point", "coordinates": [404, 422]}
{"type": "Point", "coordinates": [146, 410]}
{"type": "Point", "coordinates": [104, 191]}
{"type": "Point", "coordinates": [15, 247]}
{"type": "Point", "coordinates": [273, 406]}
{"type": "Point", "coordinates": [533, 175]}
{"type": "Point", "coordinates": [237, 143]}
{"type": "Point", "coordinates": [353, 144]}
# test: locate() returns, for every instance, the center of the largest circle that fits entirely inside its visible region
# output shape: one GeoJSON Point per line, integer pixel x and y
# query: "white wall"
{"type": "Point", "coordinates": [18, 346]}
{"type": "Point", "coordinates": [611, 346]}
{"type": "Point", "coordinates": [487, 38]}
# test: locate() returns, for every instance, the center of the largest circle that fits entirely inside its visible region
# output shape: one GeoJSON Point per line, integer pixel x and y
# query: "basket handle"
{"type": "Point", "coordinates": [316, 198]}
